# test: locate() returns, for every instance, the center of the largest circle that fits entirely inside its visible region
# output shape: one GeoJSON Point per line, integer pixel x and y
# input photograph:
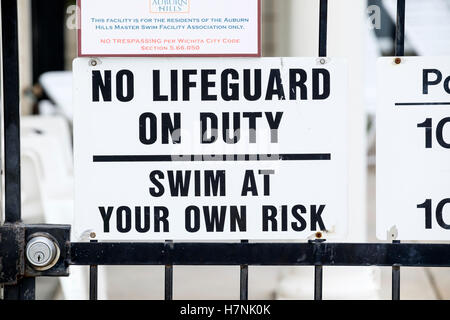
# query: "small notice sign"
{"type": "Point", "coordinates": [413, 148]}
{"type": "Point", "coordinates": [210, 149]}
{"type": "Point", "coordinates": [170, 28]}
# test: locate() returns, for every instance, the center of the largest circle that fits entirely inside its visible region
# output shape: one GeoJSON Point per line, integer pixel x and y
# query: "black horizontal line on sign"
{"type": "Point", "coordinates": [406, 104]}
{"type": "Point", "coordinates": [212, 158]}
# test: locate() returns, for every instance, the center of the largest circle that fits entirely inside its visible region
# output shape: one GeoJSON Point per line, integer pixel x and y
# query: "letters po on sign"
{"type": "Point", "coordinates": [413, 149]}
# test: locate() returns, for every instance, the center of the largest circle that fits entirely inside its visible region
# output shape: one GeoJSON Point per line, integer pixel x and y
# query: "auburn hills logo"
{"type": "Point", "coordinates": [169, 6]}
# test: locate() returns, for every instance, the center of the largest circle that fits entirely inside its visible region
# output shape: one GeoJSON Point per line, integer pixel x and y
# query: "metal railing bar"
{"type": "Point", "coordinates": [396, 283]}
{"type": "Point", "coordinates": [168, 283]}
{"type": "Point", "coordinates": [261, 254]}
{"type": "Point", "coordinates": [168, 276]}
{"type": "Point", "coordinates": [318, 268]}
{"type": "Point", "coordinates": [25, 288]}
{"type": "Point", "coordinates": [93, 282]}
{"type": "Point", "coordinates": [399, 51]}
{"type": "Point", "coordinates": [11, 111]}
{"type": "Point", "coordinates": [323, 28]}
{"type": "Point", "coordinates": [244, 279]}
{"type": "Point", "coordinates": [396, 278]}
{"type": "Point", "coordinates": [400, 29]}
{"type": "Point", "coordinates": [93, 279]}
{"type": "Point", "coordinates": [318, 282]}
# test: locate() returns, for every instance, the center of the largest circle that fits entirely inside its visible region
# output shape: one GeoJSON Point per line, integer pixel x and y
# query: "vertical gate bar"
{"type": "Point", "coordinates": [399, 51]}
{"type": "Point", "coordinates": [400, 29]}
{"type": "Point", "coordinates": [168, 278]}
{"type": "Point", "coordinates": [396, 279]}
{"type": "Point", "coordinates": [396, 283]}
{"type": "Point", "coordinates": [318, 282]}
{"type": "Point", "coordinates": [244, 279]}
{"type": "Point", "coordinates": [93, 280]}
{"type": "Point", "coordinates": [11, 110]}
{"type": "Point", "coordinates": [25, 288]}
{"type": "Point", "coordinates": [323, 28]}
{"type": "Point", "coordinates": [168, 283]}
{"type": "Point", "coordinates": [244, 282]}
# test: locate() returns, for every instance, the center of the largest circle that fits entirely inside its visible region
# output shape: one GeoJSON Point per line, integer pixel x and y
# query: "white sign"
{"type": "Point", "coordinates": [413, 142]}
{"type": "Point", "coordinates": [170, 27]}
{"type": "Point", "coordinates": [210, 149]}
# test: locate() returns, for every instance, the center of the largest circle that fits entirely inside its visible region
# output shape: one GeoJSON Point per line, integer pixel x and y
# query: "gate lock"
{"type": "Point", "coordinates": [33, 251]}
{"type": "Point", "coordinates": [42, 252]}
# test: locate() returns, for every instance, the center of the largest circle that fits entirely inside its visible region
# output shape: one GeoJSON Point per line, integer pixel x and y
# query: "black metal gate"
{"type": "Point", "coordinates": [18, 277]}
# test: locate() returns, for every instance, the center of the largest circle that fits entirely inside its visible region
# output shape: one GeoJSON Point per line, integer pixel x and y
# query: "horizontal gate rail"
{"type": "Point", "coordinates": [261, 254]}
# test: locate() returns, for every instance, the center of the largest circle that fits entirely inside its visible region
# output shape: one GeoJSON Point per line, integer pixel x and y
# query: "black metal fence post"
{"type": "Point", "coordinates": [400, 29]}
{"type": "Point", "coordinates": [399, 51]}
{"type": "Point", "coordinates": [168, 274]}
{"type": "Point", "coordinates": [93, 280]}
{"type": "Point", "coordinates": [11, 111]}
{"type": "Point", "coordinates": [168, 282]}
{"type": "Point", "coordinates": [396, 283]}
{"type": "Point", "coordinates": [244, 279]}
{"type": "Point", "coordinates": [323, 28]}
{"type": "Point", "coordinates": [318, 282]}
{"type": "Point", "coordinates": [396, 278]}
{"type": "Point", "coordinates": [318, 267]}
{"type": "Point", "coordinates": [323, 34]}
{"type": "Point", "coordinates": [25, 288]}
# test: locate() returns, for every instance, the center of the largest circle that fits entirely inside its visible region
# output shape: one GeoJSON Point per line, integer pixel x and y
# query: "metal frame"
{"type": "Point", "coordinates": [11, 116]}
{"type": "Point", "coordinates": [399, 51]}
{"type": "Point", "coordinates": [260, 254]}
{"type": "Point", "coordinates": [19, 279]}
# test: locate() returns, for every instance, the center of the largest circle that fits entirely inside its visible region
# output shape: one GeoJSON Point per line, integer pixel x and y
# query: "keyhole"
{"type": "Point", "coordinates": [39, 257]}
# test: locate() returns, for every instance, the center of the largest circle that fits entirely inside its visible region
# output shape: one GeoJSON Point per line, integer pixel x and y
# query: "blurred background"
{"type": "Point", "coordinates": [360, 30]}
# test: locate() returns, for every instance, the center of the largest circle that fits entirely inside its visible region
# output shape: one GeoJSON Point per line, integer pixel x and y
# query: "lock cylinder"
{"type": "Point", "coordinates": [42, 253]}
